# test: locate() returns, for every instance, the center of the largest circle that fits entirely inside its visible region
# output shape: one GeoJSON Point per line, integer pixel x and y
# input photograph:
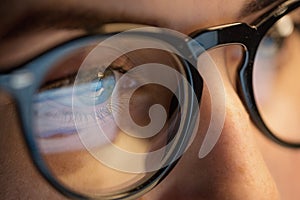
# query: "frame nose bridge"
{"type": "Point", "coordinates": [237, 33]}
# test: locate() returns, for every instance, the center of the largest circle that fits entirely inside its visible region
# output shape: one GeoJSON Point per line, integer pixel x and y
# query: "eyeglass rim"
{"type": "Point", "coordinates": [22, 96]}
{"type": "Point", "coordinates": [246, 71]}
{"type": "Point", "coordinates": [250, 44]}
{"type": "Point", "coordinates": [249, 39]}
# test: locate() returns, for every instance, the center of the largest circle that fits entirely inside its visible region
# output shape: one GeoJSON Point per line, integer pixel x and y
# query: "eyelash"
{"type": "Point", "coordinates": [53, 103]}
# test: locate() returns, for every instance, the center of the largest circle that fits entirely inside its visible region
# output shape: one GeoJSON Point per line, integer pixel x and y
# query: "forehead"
{"type": "Point", "coordinates": [35, 26]}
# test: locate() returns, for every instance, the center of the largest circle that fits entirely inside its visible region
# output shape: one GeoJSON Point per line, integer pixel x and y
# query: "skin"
{"type": "Point", "coordinates": [242, 165]}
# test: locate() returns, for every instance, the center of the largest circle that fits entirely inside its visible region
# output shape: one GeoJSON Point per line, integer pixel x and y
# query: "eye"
{"type": "Point", "coordinates": [84, 103]}
{"type": "Point", "coordinates": [73, 88]}
{"type": "Point", "coordinates": [273, 41]}
{"type": "Point", "coordinates": [270, 45]}
{"type": "Point", "coordinates": [103, 85]}
{"type": "Point", "coordinates": [98, 85]}
{"type": "Point", "coordinates": [94, 84]}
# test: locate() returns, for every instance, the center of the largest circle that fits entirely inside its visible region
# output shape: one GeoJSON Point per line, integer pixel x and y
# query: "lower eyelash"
{"type": "Point", "coordinates": [62, 122]}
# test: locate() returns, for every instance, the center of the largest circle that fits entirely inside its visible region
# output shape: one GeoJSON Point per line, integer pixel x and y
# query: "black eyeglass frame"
{"type": "Point", "coordinates": [39, 66]}
{"type": "Point", "coordinates": [248, 36]}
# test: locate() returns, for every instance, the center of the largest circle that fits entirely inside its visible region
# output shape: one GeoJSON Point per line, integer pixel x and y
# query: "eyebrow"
{"type": "Point", "coordinates": [57, 19]}
{"type": "Point", "coordinates": [253, 6]}
{"type": "Point", "coordinates": [91, 20]}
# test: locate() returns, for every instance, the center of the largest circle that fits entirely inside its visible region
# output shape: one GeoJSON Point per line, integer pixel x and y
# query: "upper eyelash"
{"type": "Point", "coordinates": [66, 81]}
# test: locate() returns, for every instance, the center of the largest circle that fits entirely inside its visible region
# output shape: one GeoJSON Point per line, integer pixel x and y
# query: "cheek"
{"type": "Point", "coordinates": [283, 164]}
{"type": "Point", "coordinates": [19, 177]}
{"type": "Point", "coordinates": [74, 170]}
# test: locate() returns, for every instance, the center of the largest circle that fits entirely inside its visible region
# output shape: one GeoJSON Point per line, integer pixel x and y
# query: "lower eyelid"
{"type": "Point", "coordinates": [52, 117]}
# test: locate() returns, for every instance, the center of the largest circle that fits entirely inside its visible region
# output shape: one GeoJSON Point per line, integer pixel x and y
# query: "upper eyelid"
{"type": "Point", "coordinates": [39, 44]}
{"type": "Point", "coordinates": [70, 79]}
{"type": "Point", "coordinates": [15, 52]}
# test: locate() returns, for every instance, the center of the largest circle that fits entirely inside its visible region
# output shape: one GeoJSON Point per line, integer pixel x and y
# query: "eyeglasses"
{"type": "Point", "coordinates": [74, 99]}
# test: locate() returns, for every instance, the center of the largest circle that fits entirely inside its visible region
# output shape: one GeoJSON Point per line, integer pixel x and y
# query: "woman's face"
{"type": "Point", "coordinates": [243, 163]}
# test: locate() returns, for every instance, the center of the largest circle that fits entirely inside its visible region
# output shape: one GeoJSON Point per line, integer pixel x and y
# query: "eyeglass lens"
{"type": "Point", "coordinates": [78, 108]}
{"type": "Point", "coordinates": [276, 79]}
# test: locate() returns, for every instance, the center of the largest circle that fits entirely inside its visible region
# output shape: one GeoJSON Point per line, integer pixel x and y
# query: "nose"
{"type": "Point", "coordinates": [234, 168]}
